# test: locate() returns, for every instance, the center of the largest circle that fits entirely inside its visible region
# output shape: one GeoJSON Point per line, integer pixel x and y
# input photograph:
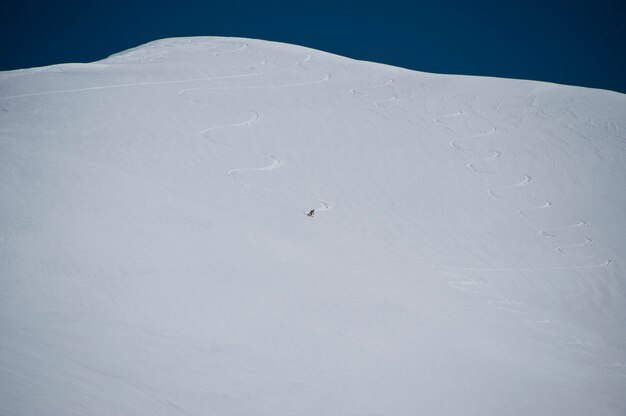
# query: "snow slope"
{"type": "Point", "coordinates": [467, 256]}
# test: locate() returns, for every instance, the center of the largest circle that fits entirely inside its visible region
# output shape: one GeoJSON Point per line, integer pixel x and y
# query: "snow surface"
{"type": "Point", "coordinates": [467, 255]}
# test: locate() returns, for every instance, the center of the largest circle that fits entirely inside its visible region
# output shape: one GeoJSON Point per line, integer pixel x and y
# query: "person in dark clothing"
{"type": "Point", "coordinates": [311, 213]}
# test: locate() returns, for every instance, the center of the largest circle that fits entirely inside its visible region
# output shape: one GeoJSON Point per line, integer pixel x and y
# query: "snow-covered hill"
{"type": "Point", "coordinates": [466, 257]}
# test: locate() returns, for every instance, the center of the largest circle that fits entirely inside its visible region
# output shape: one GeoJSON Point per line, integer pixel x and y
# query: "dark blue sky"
{"type": "Point", "coordinates": [570, 42]}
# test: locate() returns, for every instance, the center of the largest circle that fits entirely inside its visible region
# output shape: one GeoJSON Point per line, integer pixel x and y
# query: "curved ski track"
{"type": "Point", "coordinates": [544, 232]}
{"type": "Point", "coordinates": [275, 162]}
{"type": "Point", "coordinates": [525, 181]}
{"type": "Point", "coordinates": [561, 337]}
{"type": "Point", "coordinates": [243, 46]}
{"type": "Point", "coordinates": [378, 103]}
{"type": "Point", "coordinates": [324, 207]}
{"type": "Point", "coordinates": [326, 77]}
{"type": "Point", "coordinates": [206, 133]}
{"type": "Point", "coordinates": [545, 205]}
{"type": "Point", "coordinates": [135, 84]}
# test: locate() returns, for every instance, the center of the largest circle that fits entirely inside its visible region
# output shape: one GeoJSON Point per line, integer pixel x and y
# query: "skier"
{"type": "Point", "coordinates": [311, 213]}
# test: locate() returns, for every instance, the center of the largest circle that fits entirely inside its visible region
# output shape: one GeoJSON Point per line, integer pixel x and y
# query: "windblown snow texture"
{"type": "Point", "coordinates": [466, 256]}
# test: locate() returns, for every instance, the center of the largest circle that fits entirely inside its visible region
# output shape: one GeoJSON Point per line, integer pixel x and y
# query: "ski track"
{"type": "Point", "coordinates": [559, 249]}
{"type": "Point", "coordinates": [377, 103]}
{"type": "Point", "coordinates": [471, 286]}
{"type": "Point", "coordinates": [206, 133]}
{"type": "Point", "coordinates": [550, 328]}
{"type": "Point", "coordinates": [275, 162]}
{"type": "Point", "coordinates": [524, 269]}
{"type": "Point", "coordinates": [524, 182]}
{"type": "Point", "coordinates": [473, 136]}
{"type": "Point", "coordinates": [544, 232]}
{"type": "Point", "coordinates": [470, 165]}
{"type": "Point", "coordinates": [587, 242]}
{"type": "Point", "coordinates": [243, 46]}
{"type": "Point", "coordinates": [508, 304]}
{"type": "Point", "coordinates": [324, 207]}
{"type": "Point", "coordinates": [545, 205]}
{"type": "Point", "coordinates": [325, 78]}
{"type": "Point", "coordinates": [493, 192]}
{"type": "Point", "coordinates": [135, 84]}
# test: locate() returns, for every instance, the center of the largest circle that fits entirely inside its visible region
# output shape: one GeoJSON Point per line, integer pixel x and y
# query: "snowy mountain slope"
{"type": "Point", "coordinates": [466, 257]}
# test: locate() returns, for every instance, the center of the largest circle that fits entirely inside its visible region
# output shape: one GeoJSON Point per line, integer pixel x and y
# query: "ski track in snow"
{"type": "Point", "coordinates": [550, 233]}
{"type": "Point", "coordinates": [207, 133]}
{"type": "Point", "coordinates": [545, 205]}
{"type": "Point", "coordinates": [140, 84]}
{"type": "Point", "coordinates": [506, 303]}
{"type": "Point", "coordinates": [550, 328]}
{"type": "Point", "coordinates": [545, 232]}
{"type": "Point", "coordinates": [473, 136]}
{"type": "Point", "coordinates": [133, 84]}
{"type": "Point", "coordinates": [378, 103]}
{"type": "Point", "coordinates": [504, 295]}
{"type": "Point", "coordinates": [243, 46]}
{"type": "Point", "coordinates": [470, 165]}
{"type": "Point", "coordinates": [325, 78]}
{"type": "Point", "coordinates": [524, 182]}
{"type": "Point", "coordinates": [275, 162]}
{"type": "Point", "coordinates": [324, 207]}
{"type": "Point", "coordinates": [525, 269]}
{"type": "Point", "coordinates": [587, 242]}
